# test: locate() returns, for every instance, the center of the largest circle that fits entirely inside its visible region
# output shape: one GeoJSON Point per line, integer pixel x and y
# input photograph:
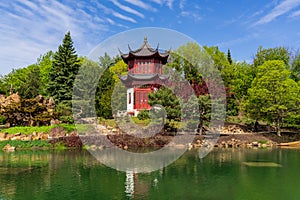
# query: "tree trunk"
{"type": "Point", "coordinates": [278, 127]}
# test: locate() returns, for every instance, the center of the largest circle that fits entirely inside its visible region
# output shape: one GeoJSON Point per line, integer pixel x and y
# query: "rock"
{"type": "Point", "coordinates": [72, 134]}
{"type": "Point", "coordinates": [54, 122]}
{"type": "Point", "coordinates": [16, 138]}
{"type": "Point", "coordinates": [3, 136]}
{"type": "Point", "coordinates": [264, 145]}
{"type": "Point", "coordinates": [125, 147]}
{"type": "Point", "coordinates": [8, 147]}
{"type": "Point", "coordinates": [114, 130]}
{"type": "Point", "coordinates": [43, 136]}
{"type": "Point", "coordinates": [57, 132]}
{"type": "Point", "coordinates": [255, 144]}
{"type": "Point", "coordinates": [26, 112]}
{"type": "Point", "coordinates": [17, 134]}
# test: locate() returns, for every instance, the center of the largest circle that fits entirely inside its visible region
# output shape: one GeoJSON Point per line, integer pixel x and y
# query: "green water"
{"type": "Point", "coordinates": [223, 174]}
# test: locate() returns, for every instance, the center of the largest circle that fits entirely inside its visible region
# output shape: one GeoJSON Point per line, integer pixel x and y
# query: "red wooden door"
{"type": "Point", "coordinates": [141, 98]}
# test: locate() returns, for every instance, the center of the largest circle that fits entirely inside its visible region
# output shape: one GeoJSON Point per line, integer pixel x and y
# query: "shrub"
{"type": "Point", "coordinates": [144, 114]}
{"type": "Point", "coordinates": [2, 120]}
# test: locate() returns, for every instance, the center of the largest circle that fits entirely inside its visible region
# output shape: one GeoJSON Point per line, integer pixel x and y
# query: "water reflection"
{"type": "Point", "coordinates": [220, 175]}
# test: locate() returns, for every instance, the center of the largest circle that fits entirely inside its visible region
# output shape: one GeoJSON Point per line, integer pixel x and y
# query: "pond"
{"type": "Point", "coordinates": [222, 174]}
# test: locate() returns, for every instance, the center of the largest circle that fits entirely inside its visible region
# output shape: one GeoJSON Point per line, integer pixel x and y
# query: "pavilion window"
{"type": "Point", "coordinates": [129, 98]}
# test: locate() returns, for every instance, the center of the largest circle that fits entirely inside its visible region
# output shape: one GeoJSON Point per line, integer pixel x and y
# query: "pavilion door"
{"type": "Point", "coordinates": [141, 98]}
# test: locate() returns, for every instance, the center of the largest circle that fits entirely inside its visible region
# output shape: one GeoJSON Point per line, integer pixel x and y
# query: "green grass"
{"type": "Point", "coordinates": [263, 141]}
{"type": "Point", "coordinates": [46, 129]}
{"type": "Point", "coordinates": [27, 129]}
{"type": "Point", "coordinates": [141, 122]}
{"type": "Point", "coordinates": [25, 144]}
{"type": "Point", "coordinates": [60, 146]}
{"type": "Point", "coordinates": [108, 122]}
{"type": "Point", "coordinates": [242, 120]}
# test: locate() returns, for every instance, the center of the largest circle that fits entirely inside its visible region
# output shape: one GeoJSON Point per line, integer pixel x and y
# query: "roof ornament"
{"type": "Point", "coordinates": [157, 46]}
{"type": "Point", "coordinates": [129, 48]}
{"type": "Point", "coordinates": [120, 51]}
{"type": "Point", "coordinates": [145, 39]}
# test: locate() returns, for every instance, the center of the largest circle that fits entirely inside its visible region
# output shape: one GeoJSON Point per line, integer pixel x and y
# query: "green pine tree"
{"type": "Point", "coordinates": [229, 56]}
{"type": "Point", "coordinates": [63, 72]}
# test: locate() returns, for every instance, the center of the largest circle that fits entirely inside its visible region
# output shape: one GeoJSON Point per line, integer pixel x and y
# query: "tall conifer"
{"type": "Point", "coordinates": [64, 69]}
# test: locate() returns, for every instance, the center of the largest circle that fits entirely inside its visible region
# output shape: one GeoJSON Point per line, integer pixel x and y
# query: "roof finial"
{"type": "Point", "coordinates": [145, 39]}
{"type": "Point", "coordinates": [129, 48]}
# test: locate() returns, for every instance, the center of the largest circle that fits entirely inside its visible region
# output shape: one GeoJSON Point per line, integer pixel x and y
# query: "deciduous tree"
{"type": "Point", "coordinates": [273, 95]}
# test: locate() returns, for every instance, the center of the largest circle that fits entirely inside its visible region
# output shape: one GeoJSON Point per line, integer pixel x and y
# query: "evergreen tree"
{"type": "Point", "coordinates": [63, 71]}
{"type": "Point", "coordinates": [229, 56]}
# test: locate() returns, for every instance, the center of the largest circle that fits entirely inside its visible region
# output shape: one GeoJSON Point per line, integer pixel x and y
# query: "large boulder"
{"type": "Point", "coordinates": [57, 132]}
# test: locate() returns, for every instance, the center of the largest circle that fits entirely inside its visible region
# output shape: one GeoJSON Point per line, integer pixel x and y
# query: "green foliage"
{"type": "Point", "coordinates": [25, 144]}
{"type": "Point", "coordinates": [30, 81]}
{"type": "Point", "coordinates": [84, 89]}
{"type": "Point", "coordinates": [45, 129]}
{"type": "Point", "coordinates": [109, 85]}
{"type": "Point", "coordinates": [296, 68]}
{"type": "Point", "coordinates": [187, 59]}
{"type": "Point", "coordinates": [167, 99]}
{"type": "Point", "coordinates": [141, 122]}
{"type": "Point", "coordinates": [2, 120]}
{"type": "Point", "coordinates": [63, 71]}
{"type": "Point", "coordinates": [103, 95]}
{"type": "Point", "coordinates": [64, 109]}
{"type": "Point", "coordinates": [273, 95]}
{"type": "Point", "coordinates": [229, 59]}
{"type": "Point", "coordinates": [2, 86]}
{"type": "Point", "coordinates": [239, 77]}
{"type": "Point", "coordinates": [60, 146]}
{"type": "Point", "coordinates": [27, 129]}
{"type": "Point", "coordinates": [45, 65]}
{"type": "Point", "coordinates": [277, 53]}
{"type": "Point", "coordinates": [25, 81]}
{"type": "Point", "coordinates": [144, 114]}
{"type": "Point", "coordinates": [105, 88]}
{"type": "Point", "coordinates": [219, 57]}
{"type": "Point", "coordinates": [108, 122]}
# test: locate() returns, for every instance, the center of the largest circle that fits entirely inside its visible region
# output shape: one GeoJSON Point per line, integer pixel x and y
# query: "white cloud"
{"type": "Point", "coordinates": [182, 4]}
{"type": "Point", "coordinates": [295, 14]}
{"type": "Point", "coordinates": [141, 4]}
{"type": "Point", "coordinates": [281, 9]}
{"type": "Point", "coordinates": [192, 15]}
{"type": "Point", "coordinates": [127, 9]}
{"type": "Point", "coordinates": [29, 29]}
{"type": "Point", "coordinates": [169, 3]}
{"type": "Point", "coordinates": [126, 18]}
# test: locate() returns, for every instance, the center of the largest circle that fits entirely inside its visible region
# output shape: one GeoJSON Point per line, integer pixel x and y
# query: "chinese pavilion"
{"type": "Point", "coordinates": [144, 75]}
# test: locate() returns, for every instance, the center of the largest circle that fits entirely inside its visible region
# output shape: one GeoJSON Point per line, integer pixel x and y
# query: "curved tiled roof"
{"type": "Point", "coordinates": [144, 51]}
{"type": "Point", "coordinates": [129, 78]}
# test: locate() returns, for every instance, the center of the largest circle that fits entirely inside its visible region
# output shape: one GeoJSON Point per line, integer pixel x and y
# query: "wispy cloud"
{"type": "Point", "coordinates": [124, 17]}
{"type": "Point", "coordinates": [295, 14]}
{"type": "Point", "coordinates": [193, 15]}
{"type": "Point", "coordinates": [127, 8]}
{"type": "Point", "coordinates": [281, 9]}
{"type": "Point", "coordinates": [237, 40]}
{"type": "Point", "coordinates": [141, 4]}
{"type": "Point", "coordinates": [169, 3]}
{"type": "Point", "coordinates": [29, 29]}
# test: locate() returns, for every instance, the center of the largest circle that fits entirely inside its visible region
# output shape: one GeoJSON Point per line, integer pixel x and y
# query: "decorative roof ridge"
{"type": "Point", "coordinates": [145, 45]}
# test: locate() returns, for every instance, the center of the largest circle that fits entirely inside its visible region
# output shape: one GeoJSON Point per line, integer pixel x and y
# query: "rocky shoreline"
{"type": "Point", "coordinates": [232, 136]}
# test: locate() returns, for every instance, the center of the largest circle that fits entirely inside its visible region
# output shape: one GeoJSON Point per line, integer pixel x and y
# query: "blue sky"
{"type": "Point", "coordinates": [31, 28]}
